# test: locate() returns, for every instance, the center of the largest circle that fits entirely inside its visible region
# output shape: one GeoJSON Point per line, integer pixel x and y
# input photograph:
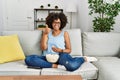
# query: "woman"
{"type": "Point", "coordinates": [55, 41]}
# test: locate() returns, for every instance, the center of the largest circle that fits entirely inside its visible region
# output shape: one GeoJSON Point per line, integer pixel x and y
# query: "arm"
{"type": "Point", "coordinates": [67, 43]}
{"type": "Point", "coordinates": [44, 39]}
{"type": "Point", "coordinates": [43, 42]}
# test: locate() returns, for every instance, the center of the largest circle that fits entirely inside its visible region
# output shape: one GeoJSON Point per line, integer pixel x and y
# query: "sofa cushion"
{"type": "Point", "coordinates": [0, 33]}
{"type": "Point", "coordinates": [101, 43]}
{"type": "Point", "coordinates": [75, 39]}
{"type": "Point", "coordinates": [87, 71]}
{"type": "Point", "coordinates": [107, 58]}
{"type": "Point", "coordinates": [109, 68]}
{"type": "Point", "coordinates": [30, 41]}
{"type": "Point", "coordinates": [17, 68]}
{"type": "Point", "coordinates": [10, 49]}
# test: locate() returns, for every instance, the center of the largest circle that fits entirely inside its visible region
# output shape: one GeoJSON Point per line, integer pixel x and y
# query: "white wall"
{"type": "Point", "coordinates": [83, 20]}
{"type": "Point", "coordinates": [1, 17]}
{"type": "Point", "coordinates": [16, 13]}
{"type": "Point", "coordinates": [19, 11]}
{"type": "Point", "coordinates": [117, 24]}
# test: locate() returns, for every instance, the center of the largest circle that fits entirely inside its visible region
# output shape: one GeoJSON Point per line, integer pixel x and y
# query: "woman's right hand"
{"type": "Point", "coordinates": [47, 30]}
{"type": "Point", "coordinates": [44, 39]}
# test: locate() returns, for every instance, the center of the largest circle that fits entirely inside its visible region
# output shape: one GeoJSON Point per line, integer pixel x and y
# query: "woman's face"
{"type": "Point", "coordinates": [56, 24]}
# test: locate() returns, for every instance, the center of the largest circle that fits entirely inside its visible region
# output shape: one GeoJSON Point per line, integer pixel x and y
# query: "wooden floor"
{"type": "Point", "coordinates": [46, 77]}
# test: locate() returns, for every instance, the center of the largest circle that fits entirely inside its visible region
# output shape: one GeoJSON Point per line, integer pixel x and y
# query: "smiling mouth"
{"type": "Point", "coordinates": [56, 26]}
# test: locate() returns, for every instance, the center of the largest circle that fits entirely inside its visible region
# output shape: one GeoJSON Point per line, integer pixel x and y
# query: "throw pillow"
{"type": "Point", "coordinates": [10, 49]}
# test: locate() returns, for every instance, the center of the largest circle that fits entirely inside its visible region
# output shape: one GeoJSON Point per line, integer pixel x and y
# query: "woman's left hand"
{"type": "Point", "coordinates": [55, 49]}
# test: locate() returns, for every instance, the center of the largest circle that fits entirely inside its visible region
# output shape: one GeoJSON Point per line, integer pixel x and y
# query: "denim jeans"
{"type": "Point", "coordinates": [65, 59]}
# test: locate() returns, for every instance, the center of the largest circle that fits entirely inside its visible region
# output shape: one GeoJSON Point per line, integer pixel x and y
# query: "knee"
{"type": "Point", "coordinates": [28, 59]}
{"type": "Point", "coordinates": [62, 59]}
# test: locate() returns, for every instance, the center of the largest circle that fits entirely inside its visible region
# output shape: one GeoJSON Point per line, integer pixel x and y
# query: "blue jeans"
{"type": "Point", "coordinates": [65, 59]}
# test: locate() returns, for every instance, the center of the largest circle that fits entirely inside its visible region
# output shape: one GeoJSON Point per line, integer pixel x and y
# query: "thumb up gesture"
{"type": "Point", "coordinates": [47, 30]}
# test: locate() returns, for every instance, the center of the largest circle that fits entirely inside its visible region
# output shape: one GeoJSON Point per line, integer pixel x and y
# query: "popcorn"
{"type": "Point", "coordinates": [53, 58]}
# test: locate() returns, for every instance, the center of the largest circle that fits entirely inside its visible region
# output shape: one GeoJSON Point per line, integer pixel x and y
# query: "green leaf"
{"type": "Point", "coordinates": [105, 14]}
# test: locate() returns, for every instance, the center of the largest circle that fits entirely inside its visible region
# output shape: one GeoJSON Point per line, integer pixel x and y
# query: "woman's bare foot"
{"type": "Point", "coordinates": [54, 66]}
{"type": "Point", "coordinates": [85, 58]}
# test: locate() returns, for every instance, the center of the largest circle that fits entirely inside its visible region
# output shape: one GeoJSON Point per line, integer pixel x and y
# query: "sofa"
{"type": "Point", "coordinates": [103, 46]}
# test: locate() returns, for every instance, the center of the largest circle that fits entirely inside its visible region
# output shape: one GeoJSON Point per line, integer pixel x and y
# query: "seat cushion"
{"type": "Point", "coordinates": [29, 40]}
{"type": "Point", "coordinates": [87, 71]}
{"type": "Point", "coordinates": [109, 68]}
{"type": "Point", "coordinates": [17, 68]}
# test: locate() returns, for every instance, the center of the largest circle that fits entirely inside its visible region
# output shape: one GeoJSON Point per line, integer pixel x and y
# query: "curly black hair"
{"type": "Point", "coordinates": [54, 16]}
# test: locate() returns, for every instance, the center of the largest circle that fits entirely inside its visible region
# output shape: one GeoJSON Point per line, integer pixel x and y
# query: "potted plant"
{"type": "Point", "coordinates": [41, 26]}
{"type": "Point", "coordinates": [106, 12]}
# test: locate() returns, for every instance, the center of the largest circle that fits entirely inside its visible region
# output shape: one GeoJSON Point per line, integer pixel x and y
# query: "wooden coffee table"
{"type": "Point", "coordinates": [46, 77]}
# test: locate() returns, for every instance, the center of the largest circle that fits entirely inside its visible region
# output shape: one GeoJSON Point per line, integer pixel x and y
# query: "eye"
{"type": "Point", "coordinates": [56, 22]}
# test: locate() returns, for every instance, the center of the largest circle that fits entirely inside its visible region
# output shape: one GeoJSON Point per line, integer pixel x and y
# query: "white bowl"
{"type": "Point", "coordinates": [53, 58]}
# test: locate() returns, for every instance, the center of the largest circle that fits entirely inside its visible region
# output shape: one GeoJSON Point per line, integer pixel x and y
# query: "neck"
{"type": "Point", "coordinates": [56, 32]}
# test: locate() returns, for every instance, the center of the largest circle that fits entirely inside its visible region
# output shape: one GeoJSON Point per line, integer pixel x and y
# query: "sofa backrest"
{"type": "Point", "coordinates": [101, 44]}
{"type": "Point", "coordinates": [76, 43]}
{"type": "Point", "coordinates": [30, 41]}
{"type": "Point", "coordinates": [0, 33]}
